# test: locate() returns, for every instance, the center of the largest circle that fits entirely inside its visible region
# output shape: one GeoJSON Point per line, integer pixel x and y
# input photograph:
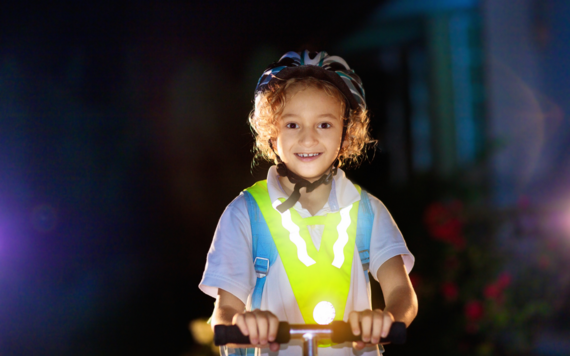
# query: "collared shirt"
{"type": "Point", "coordinates": [230, 264]}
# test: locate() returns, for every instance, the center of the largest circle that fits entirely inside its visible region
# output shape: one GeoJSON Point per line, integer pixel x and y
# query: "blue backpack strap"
{"type": "Point", "coordinates": [264, 251]}
{"type": "Point", "coordinates": [364, 230]}
{"type": "Point", "coordinates": [363, 236]}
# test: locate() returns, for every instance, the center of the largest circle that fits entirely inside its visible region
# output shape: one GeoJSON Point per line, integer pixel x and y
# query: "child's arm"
{"type": "Point", "coordinates": [260, 325]}
{"type": "Point", "coordinates": [401, 304]}
{"type": "Point", "coordinates": [399, 294]}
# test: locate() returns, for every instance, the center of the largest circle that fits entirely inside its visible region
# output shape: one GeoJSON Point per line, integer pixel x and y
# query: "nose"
{"type": "Point", "coordinates": [308, 137]}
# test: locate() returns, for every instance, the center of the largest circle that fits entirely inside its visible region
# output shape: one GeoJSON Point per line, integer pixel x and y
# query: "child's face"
{"type": "Point", "coordinates": [310, 132]}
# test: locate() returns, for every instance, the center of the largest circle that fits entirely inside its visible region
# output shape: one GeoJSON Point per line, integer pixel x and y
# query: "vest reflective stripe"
{"type": "Point", "coordinates": [340, 243]}
{"type": "Point", "coordinates": [294, 236]}
{"type": "Point", "coordinates": [314, 275]}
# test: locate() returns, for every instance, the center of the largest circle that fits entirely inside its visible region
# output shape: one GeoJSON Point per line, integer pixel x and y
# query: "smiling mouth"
{"type": "Point", "coordinates": [307, 155]}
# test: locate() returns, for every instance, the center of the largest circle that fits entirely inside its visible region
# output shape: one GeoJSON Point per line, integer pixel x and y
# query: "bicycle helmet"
{"type": "Point", "coordinates": [320, 65]}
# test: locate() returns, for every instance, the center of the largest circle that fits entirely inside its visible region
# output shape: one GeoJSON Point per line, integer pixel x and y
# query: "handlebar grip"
{"type": "Point", "coordinates": [231, 334]}
{"type": "Point", "coordinates": [341, 332]}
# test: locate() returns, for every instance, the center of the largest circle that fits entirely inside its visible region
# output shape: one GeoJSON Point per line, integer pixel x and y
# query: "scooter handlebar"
{"type": "Point", "coordinates": [231, 334]}
{"type": "Point", "coordinates": [342, 332]}
{"type": "Point", "coordinates": [339, 331]}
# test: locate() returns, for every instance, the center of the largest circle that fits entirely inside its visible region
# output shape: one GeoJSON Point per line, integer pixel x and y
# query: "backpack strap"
{"type": "Point", "coordinates": [264, 251]}
{"type": "Point", "coordinates": [363, 236]}
{"type": "Point", "coordinates": [364, 231]}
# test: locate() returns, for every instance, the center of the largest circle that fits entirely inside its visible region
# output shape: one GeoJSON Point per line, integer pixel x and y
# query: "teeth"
{"type": "Point", "coordinates": [308, 154]}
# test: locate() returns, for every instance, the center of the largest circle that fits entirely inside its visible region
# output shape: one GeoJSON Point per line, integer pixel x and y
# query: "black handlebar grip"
{"type": "Point", "coordinates": [231, 334]}
{"type": "Point", "coordinates": [342, 332]}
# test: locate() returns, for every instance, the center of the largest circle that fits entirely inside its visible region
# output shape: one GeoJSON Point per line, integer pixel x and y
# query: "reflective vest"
{"type": "Point", "coordinates": [264, 250]}
{"type": "Point", "coordinates": [315, 275]}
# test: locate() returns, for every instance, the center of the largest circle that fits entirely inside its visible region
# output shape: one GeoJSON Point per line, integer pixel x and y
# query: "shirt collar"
{"type": "Point", "coordinates": [343, 192]}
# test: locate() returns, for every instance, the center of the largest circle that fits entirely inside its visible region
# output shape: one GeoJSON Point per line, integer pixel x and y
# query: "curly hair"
{"type": "Point", "coordinates": [270, 103]}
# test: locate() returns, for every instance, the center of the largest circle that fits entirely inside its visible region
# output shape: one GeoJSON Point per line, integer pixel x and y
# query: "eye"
{"type": "Point", "coordinates": [292, 125]}
{"type": "Point", "coordinates": [324, 125]}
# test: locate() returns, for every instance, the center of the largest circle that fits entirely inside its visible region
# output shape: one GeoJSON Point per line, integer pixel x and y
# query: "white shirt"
{"type": "Point", "coordinates": [230, 264]}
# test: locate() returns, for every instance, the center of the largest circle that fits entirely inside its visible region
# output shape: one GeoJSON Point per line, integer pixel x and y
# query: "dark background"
{"type": "Point", "coordinates": [123, 136]}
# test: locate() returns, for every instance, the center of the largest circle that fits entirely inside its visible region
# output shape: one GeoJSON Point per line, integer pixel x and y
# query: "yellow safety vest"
{"type": "Point", "coordinates": [314, 275]}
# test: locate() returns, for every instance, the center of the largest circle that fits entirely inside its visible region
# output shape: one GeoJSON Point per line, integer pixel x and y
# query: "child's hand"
{"type": "Point", "coordinates": [260, 325]}
{"type": "Point", "coordinates": [373, 325]}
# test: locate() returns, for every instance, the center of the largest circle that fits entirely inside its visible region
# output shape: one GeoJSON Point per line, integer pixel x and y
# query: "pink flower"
{"type": "Point", "coordinates": [492, 291]}
{"type": "Point", "coordinates": [474, 310]}
{"type": "Point", "coordinates": [444, 223]}
{"type": "Point", "coordinates": [450, 291]}
{"type": "Point", "coordinates": [504, 280]}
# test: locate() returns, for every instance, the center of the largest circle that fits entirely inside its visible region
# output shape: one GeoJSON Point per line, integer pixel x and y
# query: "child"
{"type": "Point", "coordinates": [310, 117]}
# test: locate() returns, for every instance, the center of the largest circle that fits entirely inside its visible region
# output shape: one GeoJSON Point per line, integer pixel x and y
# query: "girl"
{"type": "Point", "coordinates": [289, 248]}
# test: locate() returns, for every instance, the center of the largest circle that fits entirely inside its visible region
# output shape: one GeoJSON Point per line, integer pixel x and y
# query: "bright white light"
{"type": "Point", "coordinates": [324, 313]}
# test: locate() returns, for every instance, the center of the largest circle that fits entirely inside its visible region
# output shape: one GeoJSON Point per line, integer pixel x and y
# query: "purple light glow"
{"type": "Point", "coordinates": [557, 221]}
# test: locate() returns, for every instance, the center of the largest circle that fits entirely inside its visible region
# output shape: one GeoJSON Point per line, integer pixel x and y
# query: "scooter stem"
{"type": "Point", "coordinates": [310, 336]}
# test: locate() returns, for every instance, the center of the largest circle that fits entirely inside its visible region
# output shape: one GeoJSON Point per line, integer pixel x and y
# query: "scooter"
{"type": "Point", "coordinates": [337, 331]}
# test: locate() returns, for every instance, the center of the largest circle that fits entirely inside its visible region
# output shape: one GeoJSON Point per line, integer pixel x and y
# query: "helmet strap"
{"type": "Point", "coordinates": [300, 182]}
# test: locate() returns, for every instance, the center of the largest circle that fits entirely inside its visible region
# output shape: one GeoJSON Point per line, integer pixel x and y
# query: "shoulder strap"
{"type": "Point", "coordinates": [264, 251]}
{"type": "Point", "coordinates": [363, 236]}
{"type": "Point", "coordinates": [364, 230]}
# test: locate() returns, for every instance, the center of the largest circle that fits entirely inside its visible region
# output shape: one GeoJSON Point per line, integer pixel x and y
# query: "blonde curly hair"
{"type": "Point", "coordinates": [270, 103]}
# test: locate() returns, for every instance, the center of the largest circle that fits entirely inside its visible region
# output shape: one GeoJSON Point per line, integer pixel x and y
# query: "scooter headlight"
{"type": "Point", "coordinates": [324, 313]}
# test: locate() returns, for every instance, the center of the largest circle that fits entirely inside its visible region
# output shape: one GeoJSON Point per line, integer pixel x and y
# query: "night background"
{"type": "Point", "coordinates": [123, 136]}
